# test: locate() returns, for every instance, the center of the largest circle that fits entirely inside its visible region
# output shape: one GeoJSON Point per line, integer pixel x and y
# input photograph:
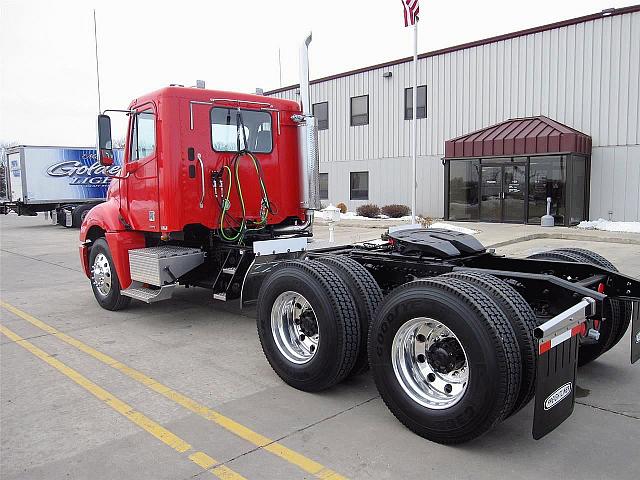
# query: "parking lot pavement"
{"type": "Point", "coordinates": [181, 389]}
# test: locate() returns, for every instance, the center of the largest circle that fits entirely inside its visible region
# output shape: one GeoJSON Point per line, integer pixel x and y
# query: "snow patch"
{"type": "Point", "coordinates": [609, 226]}
{"type": "Point", "coordinates": [354, 216]}
{"type": "Point", "coordinates": [454, 228]}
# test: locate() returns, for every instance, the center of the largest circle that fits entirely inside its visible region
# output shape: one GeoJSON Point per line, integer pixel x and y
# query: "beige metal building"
{"type": "Point", "coordinates": [583, 73]}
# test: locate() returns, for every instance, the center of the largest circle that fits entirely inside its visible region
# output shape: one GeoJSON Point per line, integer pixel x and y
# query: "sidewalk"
{"type": "Point", "coordinates": [489, 234]}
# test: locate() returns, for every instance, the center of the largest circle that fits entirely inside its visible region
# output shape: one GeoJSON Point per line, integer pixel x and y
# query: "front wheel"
{"type": "Point", "coordinates": [104, 278]}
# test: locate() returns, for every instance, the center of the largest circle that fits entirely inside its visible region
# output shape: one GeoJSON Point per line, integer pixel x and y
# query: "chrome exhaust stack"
{"type": "Point", "coordinates": [308, 149]}
{"type": "Point", "coordinates": [308, 138]}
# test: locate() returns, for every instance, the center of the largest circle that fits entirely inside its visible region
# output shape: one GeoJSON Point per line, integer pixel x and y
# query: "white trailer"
{"type": "Point", "coordinates": [63, 182]}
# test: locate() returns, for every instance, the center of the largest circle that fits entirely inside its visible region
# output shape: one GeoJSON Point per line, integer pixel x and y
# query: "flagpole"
{"type": "Point", "coordinates": [415, 123]}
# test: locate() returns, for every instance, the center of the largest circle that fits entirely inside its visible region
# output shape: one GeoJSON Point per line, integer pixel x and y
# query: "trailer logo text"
{"type": "Point", "coordinates": [80, 174]}
{"type": "Point", "coordinates": [556, 397]}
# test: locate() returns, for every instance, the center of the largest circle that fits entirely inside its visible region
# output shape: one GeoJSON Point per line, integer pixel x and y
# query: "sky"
{"type": "Point", "coordinates": [48, 93]}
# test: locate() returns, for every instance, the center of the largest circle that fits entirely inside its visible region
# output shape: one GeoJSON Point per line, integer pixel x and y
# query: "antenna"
{"type": "Point", "coordinates": [95, 38]}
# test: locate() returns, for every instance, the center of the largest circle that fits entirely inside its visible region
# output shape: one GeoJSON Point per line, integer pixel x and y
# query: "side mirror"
{"type": "Point", "coordinates": [105, 146]}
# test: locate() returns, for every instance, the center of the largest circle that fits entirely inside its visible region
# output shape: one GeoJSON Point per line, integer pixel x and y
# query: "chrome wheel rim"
{"type": "Point", "coordinates": [294, 327]}
{"type": "Point", "coordinates": [101, 274]}
{"type": "Point", "coordinates": [430, 363]}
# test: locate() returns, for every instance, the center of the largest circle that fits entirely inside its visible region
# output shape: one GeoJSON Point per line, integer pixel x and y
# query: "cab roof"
{"type": "Point", "coordinates": [204, 95]}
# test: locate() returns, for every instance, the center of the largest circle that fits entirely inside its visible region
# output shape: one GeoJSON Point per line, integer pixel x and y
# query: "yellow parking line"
{"type": "Point", "coordinates": [165, 436]}
{"type": "Point", "coordinates": [310, 466]}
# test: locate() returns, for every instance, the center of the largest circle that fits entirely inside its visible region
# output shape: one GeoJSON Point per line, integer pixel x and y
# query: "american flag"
{"type": "Point", "coordinates": [411, 12]}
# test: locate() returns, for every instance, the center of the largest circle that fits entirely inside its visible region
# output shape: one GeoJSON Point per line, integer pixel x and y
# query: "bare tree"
{"type": "Point", "coordinates": [3, 166]}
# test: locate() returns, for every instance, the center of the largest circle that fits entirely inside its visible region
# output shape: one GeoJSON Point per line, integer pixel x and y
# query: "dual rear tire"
{"type": "Point", "coordinates": [312, 318]}
{"type": "Point", "coordinates": [451, 356]}
{"type": "Point", "coordinates": [617, 313]}
{"type": "Point", "coordinates": [427, 332]}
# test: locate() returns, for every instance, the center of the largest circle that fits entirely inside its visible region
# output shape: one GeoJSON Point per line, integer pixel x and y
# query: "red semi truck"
{"type": "Point", "coordinates": [218, 191]}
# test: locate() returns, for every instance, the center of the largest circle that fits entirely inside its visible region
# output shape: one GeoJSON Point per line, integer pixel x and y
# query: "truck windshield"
{"type": "Point", "coordinates": [224, 130]}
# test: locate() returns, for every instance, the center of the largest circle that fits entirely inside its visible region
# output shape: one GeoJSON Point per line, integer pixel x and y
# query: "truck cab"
{"type": "Point", "coordinates": [206, 170]}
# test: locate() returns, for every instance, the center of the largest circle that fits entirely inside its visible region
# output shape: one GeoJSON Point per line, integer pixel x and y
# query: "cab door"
{"type": "Point", "coordinates": [142, 168]}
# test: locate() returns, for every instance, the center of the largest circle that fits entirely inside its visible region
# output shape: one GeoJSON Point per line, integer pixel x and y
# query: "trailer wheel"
{"type": "Point", "coordinates": [445, 359]}
{"type": "Point", "coordinates": [620, 315]}
{"type": "Point", "coordinates": [523, 321]}
{"type": "Point", "coordinates": [79, 214]}
{"type": "Point", "coordinates": [367, 296]}
{"type": "Point", "coordinates": [61, 218]}
{"type": "Point", "coordinates": [104, 278]}
{"type": "Point", "coordinates": [308, 325]}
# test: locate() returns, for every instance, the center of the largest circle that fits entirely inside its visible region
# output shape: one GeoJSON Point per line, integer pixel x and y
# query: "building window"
{"type": "Point", "coordinates": [321, 112]}
{"type": "Point", "coordinates": [324, 186]}
{"type": "Point", "coordinates": [463, 189]}
{"type": "Point", "coordinates": [422, 103]}
{"type": "Point", "coordinates": [360, 110]}
{"type": "Point", "coordinates": [359, 186]}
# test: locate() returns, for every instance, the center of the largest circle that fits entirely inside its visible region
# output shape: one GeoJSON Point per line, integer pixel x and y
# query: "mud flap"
{"type": "Point", "coordinates": [555, 386]}
{"type": "Point", "coordinates": [635, 332]}
{"type": "Point", "coordinates": [557, 364]}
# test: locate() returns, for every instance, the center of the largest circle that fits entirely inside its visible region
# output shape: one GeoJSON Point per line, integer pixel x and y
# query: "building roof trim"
{"type": "Point", "coordinates": [528, 31]}
{"type": "Point", "coordinates": [519, 136]}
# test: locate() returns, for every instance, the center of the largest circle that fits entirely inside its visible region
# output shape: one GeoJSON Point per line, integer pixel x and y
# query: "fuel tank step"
{"type": "Point", "coordinates": [163, 265]}
{"type": "Point", "coordinates": [149, 295]}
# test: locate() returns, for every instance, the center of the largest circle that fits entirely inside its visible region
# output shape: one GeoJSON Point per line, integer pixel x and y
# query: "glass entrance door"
{"type": "Point", "coordinates": [502, 191]}
{"type": "Point", "coordinates": [514, 184]}
{"type": "Point", "coordinates": [491, 194]}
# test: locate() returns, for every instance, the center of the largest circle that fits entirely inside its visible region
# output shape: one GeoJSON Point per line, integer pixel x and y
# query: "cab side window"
{"type": "Point", "coordinates": [143, 135]}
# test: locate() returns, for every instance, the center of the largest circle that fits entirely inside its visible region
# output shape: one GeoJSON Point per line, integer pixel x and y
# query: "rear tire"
{"type": "Point", "coordinates": [491, 355]}
{"type": "Point", "coordinates": [621, 324]}
{"type": "Point", "coordinates": [308, 325]}
{"type": "Point", "coordinates": [523, 321]}
{"type": "Point", "coordinates": [104, 281]}
{"type": "Point", "coordinates": [366, 294]}
{"type": "Point", "coordinates": [612, 329]}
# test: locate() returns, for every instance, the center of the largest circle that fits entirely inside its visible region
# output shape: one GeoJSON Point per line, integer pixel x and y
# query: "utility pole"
{"type": "Point", "coordinates": [95, 39]}
{"type": "Point", "coordinates": [279, 67]}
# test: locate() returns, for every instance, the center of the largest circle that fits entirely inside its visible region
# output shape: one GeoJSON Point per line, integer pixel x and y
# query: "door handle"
{"type": "Point", "coordinates": [202, 177]}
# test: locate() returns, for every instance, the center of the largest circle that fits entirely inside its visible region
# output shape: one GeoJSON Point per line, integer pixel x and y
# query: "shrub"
{"type": "Point", "coordinates": [395, 211]}
{"type": "Point", "coordinates": [368, 210]}
{"type": "Point", "coordinates": [342, 207]}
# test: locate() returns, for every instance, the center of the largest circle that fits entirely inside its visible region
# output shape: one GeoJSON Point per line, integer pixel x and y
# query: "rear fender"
{"type": "Point", "coordinates": [259, 270]}
{"type": "Point", "coordinates": [267, 255]}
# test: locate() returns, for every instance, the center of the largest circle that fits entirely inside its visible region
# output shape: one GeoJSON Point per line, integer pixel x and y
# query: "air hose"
{"type": "Point", "coordinates": [233, 174]}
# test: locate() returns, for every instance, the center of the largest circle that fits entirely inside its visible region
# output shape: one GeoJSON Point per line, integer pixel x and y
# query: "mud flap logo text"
{"type": "Point", "coordinates": [556, 397]}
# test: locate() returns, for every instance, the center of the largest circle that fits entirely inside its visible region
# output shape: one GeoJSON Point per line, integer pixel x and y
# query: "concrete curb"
{"type": "Point", "coordinates": [566, 236]}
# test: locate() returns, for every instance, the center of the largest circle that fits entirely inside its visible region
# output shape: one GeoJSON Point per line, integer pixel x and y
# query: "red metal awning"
{"type": "Point", "coordinates": [519, 136]}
